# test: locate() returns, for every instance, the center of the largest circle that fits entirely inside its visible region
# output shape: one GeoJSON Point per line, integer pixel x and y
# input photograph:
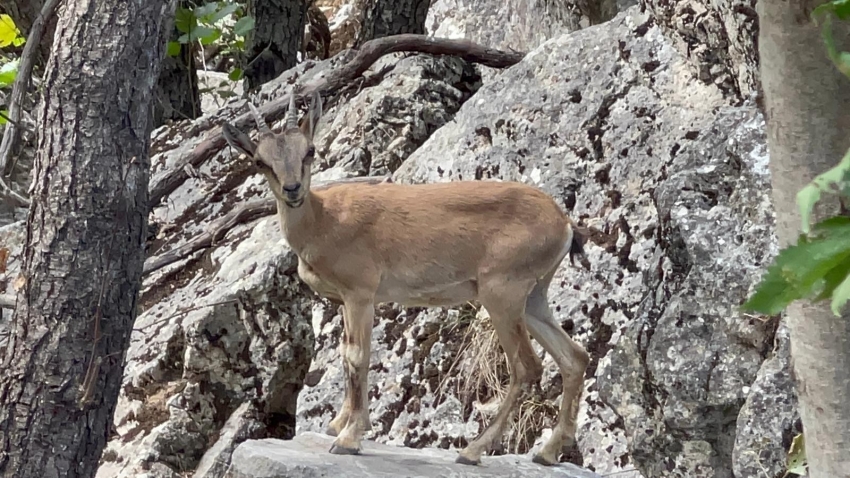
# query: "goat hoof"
{"type": "Point", "coordinates": [341, 450]}
{"type": "Point", "coordinates": [330, 431]}
{"type": "Point", "coordinates": [541, 461]}
{"type": "Point", "coordinates": [466, 461]}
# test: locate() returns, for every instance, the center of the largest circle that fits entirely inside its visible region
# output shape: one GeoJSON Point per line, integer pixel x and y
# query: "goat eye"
{"type": "Point", "coordinates": [311, 151]}
{"type": "Point", "coordinates": [259, 164]}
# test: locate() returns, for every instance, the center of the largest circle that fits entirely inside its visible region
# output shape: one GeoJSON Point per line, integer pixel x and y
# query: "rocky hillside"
{"type": "Point", "coordinates": [640, 120]}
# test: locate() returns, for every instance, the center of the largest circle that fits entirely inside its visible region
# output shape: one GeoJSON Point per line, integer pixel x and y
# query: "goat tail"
{"type": "Point", "coordinates": [577, 247]}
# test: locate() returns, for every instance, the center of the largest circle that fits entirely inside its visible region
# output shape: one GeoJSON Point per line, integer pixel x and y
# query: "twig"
{"type": "Point", "coordinates": [16, 198]}
{"type": "Point", "coordinates": [22, 82]}
{"type": "Point", "coordinates": [366, 56]}
{"type": "Point", "coordinates": [245, 213]}
{"type": "Point", "coordinates": [7, 301]}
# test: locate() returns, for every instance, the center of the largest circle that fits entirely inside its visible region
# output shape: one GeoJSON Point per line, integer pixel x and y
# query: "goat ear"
{"type": "Point", "coordinates": [308, 126]}
{"type": "Point", "coordinates": [238, 139]}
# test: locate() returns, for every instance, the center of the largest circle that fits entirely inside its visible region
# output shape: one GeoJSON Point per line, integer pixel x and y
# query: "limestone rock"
{"type": "Point", "coordinates": [719, 37]}
{"type": "Point", "coordinates": [307, 456]}
{"type": "Point", "coordinates": [12, 237]}
{"type": "Point", "coordinates": [673, 186]}
{"type": "Point", "coordinates": [769, 419]}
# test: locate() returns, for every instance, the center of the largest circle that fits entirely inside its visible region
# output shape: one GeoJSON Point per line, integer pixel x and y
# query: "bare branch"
{"type": "Point", "coordinates": [22, 83]}
{"type": "Point", "coordinates": [245, 213]}
{"type": "Point", "coordinates": [366, 56]}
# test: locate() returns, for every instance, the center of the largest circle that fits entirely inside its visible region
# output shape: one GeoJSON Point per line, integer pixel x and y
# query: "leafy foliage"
{"type": "Point", "coordinates": [817, 267]}
{"type": "Point", "coordinates": [9, 36]}
{"type": "Point", "coordinates": [223, 23]}
{"type": "Point", "coordinates": [9, 33]}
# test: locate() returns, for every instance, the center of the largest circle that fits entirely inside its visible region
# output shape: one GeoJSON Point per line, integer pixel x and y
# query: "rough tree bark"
{"type": "Point", "coordinates": [177, 95]}
{"type": "Point", "coordinates": [274, 44]}
{"type": "Point", "coordinates": [86, 229]}
{"type": "Point", "coordinates": [24, 13]}
{"type": "Point", "coordinates": [807, 103]}
{"type": "Point", "coordinates": [382, 18]}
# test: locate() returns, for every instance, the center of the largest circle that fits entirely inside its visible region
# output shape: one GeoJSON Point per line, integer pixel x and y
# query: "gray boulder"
{"type": "Point", "coordinates": [672, 184]}
{"type": "Point", "coordinates": [306, 456]}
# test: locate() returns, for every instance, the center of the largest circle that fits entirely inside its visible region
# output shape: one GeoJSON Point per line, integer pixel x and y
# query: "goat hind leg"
{"type": "Point", "coordinates": [506, 309]}
{"type": "Point", "coordinates": [572, 362]}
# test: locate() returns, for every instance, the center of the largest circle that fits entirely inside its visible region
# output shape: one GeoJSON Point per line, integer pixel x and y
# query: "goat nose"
{"type": "Point", "coordinates": [291, 188]}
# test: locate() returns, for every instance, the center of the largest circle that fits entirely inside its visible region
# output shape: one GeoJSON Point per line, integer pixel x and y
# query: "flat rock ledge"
{"type": "Point", "coordinates": [306, 456]}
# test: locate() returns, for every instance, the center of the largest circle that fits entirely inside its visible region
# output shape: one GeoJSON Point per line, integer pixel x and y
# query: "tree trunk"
{"type": "Point", "coordinates": [86, 229]}
{"type": "Point", "coordinates": [177, 94]}
{"type": "Point", "coordinates": [383, 18]}
{"type": "Point", "coordinates": [807, 102]}
{"type": "Point", "coordinates": [274, 44]}
{"type": "Point", "coordinates": [24, 12]}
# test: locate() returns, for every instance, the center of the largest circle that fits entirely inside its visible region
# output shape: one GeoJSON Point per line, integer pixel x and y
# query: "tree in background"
{"type": "Point", "coordinates": [177, 96]}
{"type": "Point", "coordinates": [807, 105]}
{"type": "Point", "coordinates": [383, 18]}
{"type": "Point", "coordinates": [84, 249]}
{"type": "Point", "coordinates": [274, 44]}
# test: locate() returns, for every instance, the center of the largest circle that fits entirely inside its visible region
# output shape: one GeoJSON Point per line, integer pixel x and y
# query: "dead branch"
{"type": "Point", "coordinates": [367, 55]}
{"type": "Point", "coordinates": [7, 301]}
{"type": "Point", "coordinates": [245, 213]}
{"type": "Point", "coordinates": [22, 83]}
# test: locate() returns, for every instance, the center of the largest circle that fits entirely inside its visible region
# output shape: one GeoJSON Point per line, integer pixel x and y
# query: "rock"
{"type": "Point", "coordinates": [719, 38]}
{"type": "Point", "coordinates": [307, 456]}
{"type": "Point", "coordinates": [520, 25]}
{"type": "Point", "coordinates": [769, 419]}
{"type": "Point", "coordinates": [224, 339]}
{"type": "Point", "coordinates": [12, 238]}
{"type": "Point", "coordinates": [242, 425]}
{"type": "Point", "coordinates": [673, 186]}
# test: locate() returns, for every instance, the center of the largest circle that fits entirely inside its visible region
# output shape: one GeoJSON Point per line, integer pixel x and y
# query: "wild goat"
{"type": "Point", "coordinates": [426, 245]}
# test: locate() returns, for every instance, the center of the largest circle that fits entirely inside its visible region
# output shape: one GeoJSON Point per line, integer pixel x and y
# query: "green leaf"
{"type": "Point", "coordinates": [224, 12]}
{"type": "Point", "coordinates": [796, 461]}
{"type": "Point", "coordinates": [243, 26]}
{"type": "Point", "coordinates": [840, 296]}
{"type": "Point", "coordinates": [185, 20]}
{"type": "Point", "coordinates": [837, 178]}
{"type": "Point", "coordinates": [173, 48]}
{"type": "Point", "coordinates": [8, 73]}
{"type": "Point", "coordinates": [205, 12]}
{"type": "Point", "coordinates": [211, 36]}
{"type": "Point", "coordinates": [235, 74]}
{"type": "Point", "coordinates": [8, 30]}
{"type": "Point", "coordinates": [806, 200]}
{"type": "Point", "coordinates": [3, 115]}
{"type": "Point", "coordinates": [842, 9]}
{"type": "Point", "coordinates": [800, 270]}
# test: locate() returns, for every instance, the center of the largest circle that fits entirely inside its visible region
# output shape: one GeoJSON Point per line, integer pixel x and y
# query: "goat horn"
{"type": "Point", "coordinates": [291, 113]}
{"type": "Point", "coordinates": [258, 118]}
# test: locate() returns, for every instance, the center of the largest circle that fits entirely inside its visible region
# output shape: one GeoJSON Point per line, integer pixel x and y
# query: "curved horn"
{"type": "Point", "coordinates": [291, 113]}
{"type": "Point", "coordinates": [262, 126]}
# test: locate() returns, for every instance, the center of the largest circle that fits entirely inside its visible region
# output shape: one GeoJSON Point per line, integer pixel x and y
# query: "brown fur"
{"type": "Point", "coordinates": [426, 245]}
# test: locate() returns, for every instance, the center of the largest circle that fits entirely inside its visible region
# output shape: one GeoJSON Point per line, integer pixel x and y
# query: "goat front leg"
{"type": "Point", "coordinates": [356, 351]}
{"type": "Point", "coordinates": [341, 419]}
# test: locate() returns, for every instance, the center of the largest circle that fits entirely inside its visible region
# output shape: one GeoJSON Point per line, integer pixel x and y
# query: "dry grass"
{"type": "Point", "coordinates": [483, 378]}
